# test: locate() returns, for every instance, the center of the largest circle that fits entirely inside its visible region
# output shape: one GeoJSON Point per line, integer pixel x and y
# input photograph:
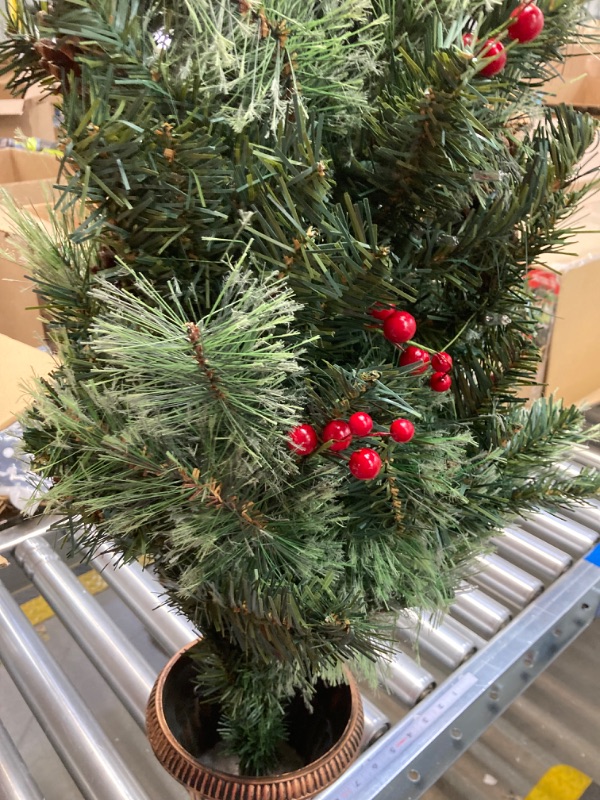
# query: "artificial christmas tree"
{"type": "Point", "coordinates": [282, 204]}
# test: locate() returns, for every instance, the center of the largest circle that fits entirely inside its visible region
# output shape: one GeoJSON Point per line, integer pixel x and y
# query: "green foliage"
{"type": "Point", "coordinates": [250, 180]}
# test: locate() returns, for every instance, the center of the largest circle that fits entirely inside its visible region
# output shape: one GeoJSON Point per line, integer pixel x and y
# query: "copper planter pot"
{"type": "Point", "coordinates": [178, 735]}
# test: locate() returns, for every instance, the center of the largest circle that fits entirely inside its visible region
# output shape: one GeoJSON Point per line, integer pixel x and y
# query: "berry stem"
{"type": "Point", "coordinates": [325, 447]}
{"type": "Point", "coordinates": [341, 455]}
{"type": "Point", "coordinates": [447, 346]}
{"type": "Point", "coordinates": [420, 346]}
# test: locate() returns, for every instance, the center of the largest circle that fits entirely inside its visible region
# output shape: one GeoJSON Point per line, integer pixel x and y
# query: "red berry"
{"type": "Point", "coordinates": [442, 362]}
{"type": "Point", "coordinates": [493, 48]}
{"type": "Point", "coordinates": [543, 279]}
{"type": "Point", "coordinates": [440, 382]}
{"type": "Point", "coordinates": [528, 23]}
{"type": "Point", "coordinates": [382, 312]}
{"type": "Point", "coordinates": [361, 423]}
{"type": "Point", "coordinates": [413, 355]}
{"type": "Point", "coordinates": [339, 432]}
{"type": "Point", "coordinates": [365, 464]}
{"type": "Point", "coordinates": [399, 327]}
{"type": "Point", "coordinates": [303, 440]}
{"type": "Point", "coordinates": [468, 39]}
{"type": "Point", "coordinates": [402, 430]}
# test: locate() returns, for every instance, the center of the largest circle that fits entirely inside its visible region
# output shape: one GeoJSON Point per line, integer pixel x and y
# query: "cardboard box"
{"type": "Point", "coordinates": [19, 304]}
{"type": "Point", "coordinates": [28, 177]}
{"type": "Point", "coordinates": [573, 366]}
{"type": "Point", "coordinates": [20, 363]}
{"type": "Point", "coordinates": [33, 115]}
{"type": "Point", "coordinates": [578, 80]}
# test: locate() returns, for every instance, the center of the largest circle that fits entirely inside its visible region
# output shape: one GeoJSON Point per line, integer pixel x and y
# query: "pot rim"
{"type": "Point", "coordinates": [355, 710]}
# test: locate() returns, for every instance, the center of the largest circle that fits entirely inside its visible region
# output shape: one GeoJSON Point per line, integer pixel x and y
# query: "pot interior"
{"type": "Point", "coordinates": [194, 724]}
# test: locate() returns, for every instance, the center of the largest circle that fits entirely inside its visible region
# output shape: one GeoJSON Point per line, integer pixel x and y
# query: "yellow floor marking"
{"type": "Point", "coordinates": [93, 582]}
{"type": "Point", "coordinates": [560, 783]}
{"type": "Point", "coordinates": [37, 610]}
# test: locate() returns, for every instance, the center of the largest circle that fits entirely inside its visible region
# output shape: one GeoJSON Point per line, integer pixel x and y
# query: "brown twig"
{"type": "Point", "coordinates": [395, 500]}
{"type": "Point", "coordinates": [194, 337]}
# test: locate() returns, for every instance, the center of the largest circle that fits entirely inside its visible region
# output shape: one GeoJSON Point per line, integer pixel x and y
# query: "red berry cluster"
{"type": "Point", "coordinates": [364, 464]}
{"type": "Point", "coordinates": [399, 327]}
{"type": "Point", "coordinates": [527, 24]}
{"type": "Point", "coordinates": [441, 363]}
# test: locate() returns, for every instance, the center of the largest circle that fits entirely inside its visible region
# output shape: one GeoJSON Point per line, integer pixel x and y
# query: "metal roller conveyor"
{"type": "Point", "coordinates": [568, 535]}
{"type": "Point", "coordinates": [583, 513]}
{"type": "Point", "coordinates": [140, 590]}
{"type": "Point", "coordinates": [532, 554]}
{"type": "Point", "coordinates": [28, 529]}
{"type": "Point", "coordinates": [507, 583]}
{"type": "Point", "coordinates": [15, 781]}
{"type": "Point", "coordinates": [404, 679]}
{"type": "Point", "coordinates": [479, 612]}
{"type": "Point", "coordinates": [376, 723]}
{"type": "Point", "coordinates": [85, 750]}
{"type": "Point", "coordinates": [572, 470]}
{"type": "Point", "coordinates": [587, 512]}
{"type": "Point", "coordinates": [586, 456]}
{"type": "Point", "coordinates": [424, 743]}
{"type": "Point", "coordinates": [121, 665]}
{"type": "Point", "coordinates": [435, 641]}
{"type": "Point", "coordinates": [463, 630]}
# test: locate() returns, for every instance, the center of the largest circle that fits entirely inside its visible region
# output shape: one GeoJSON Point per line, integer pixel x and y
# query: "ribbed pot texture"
{"type": "Point", "coordinates": [176, 726]}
